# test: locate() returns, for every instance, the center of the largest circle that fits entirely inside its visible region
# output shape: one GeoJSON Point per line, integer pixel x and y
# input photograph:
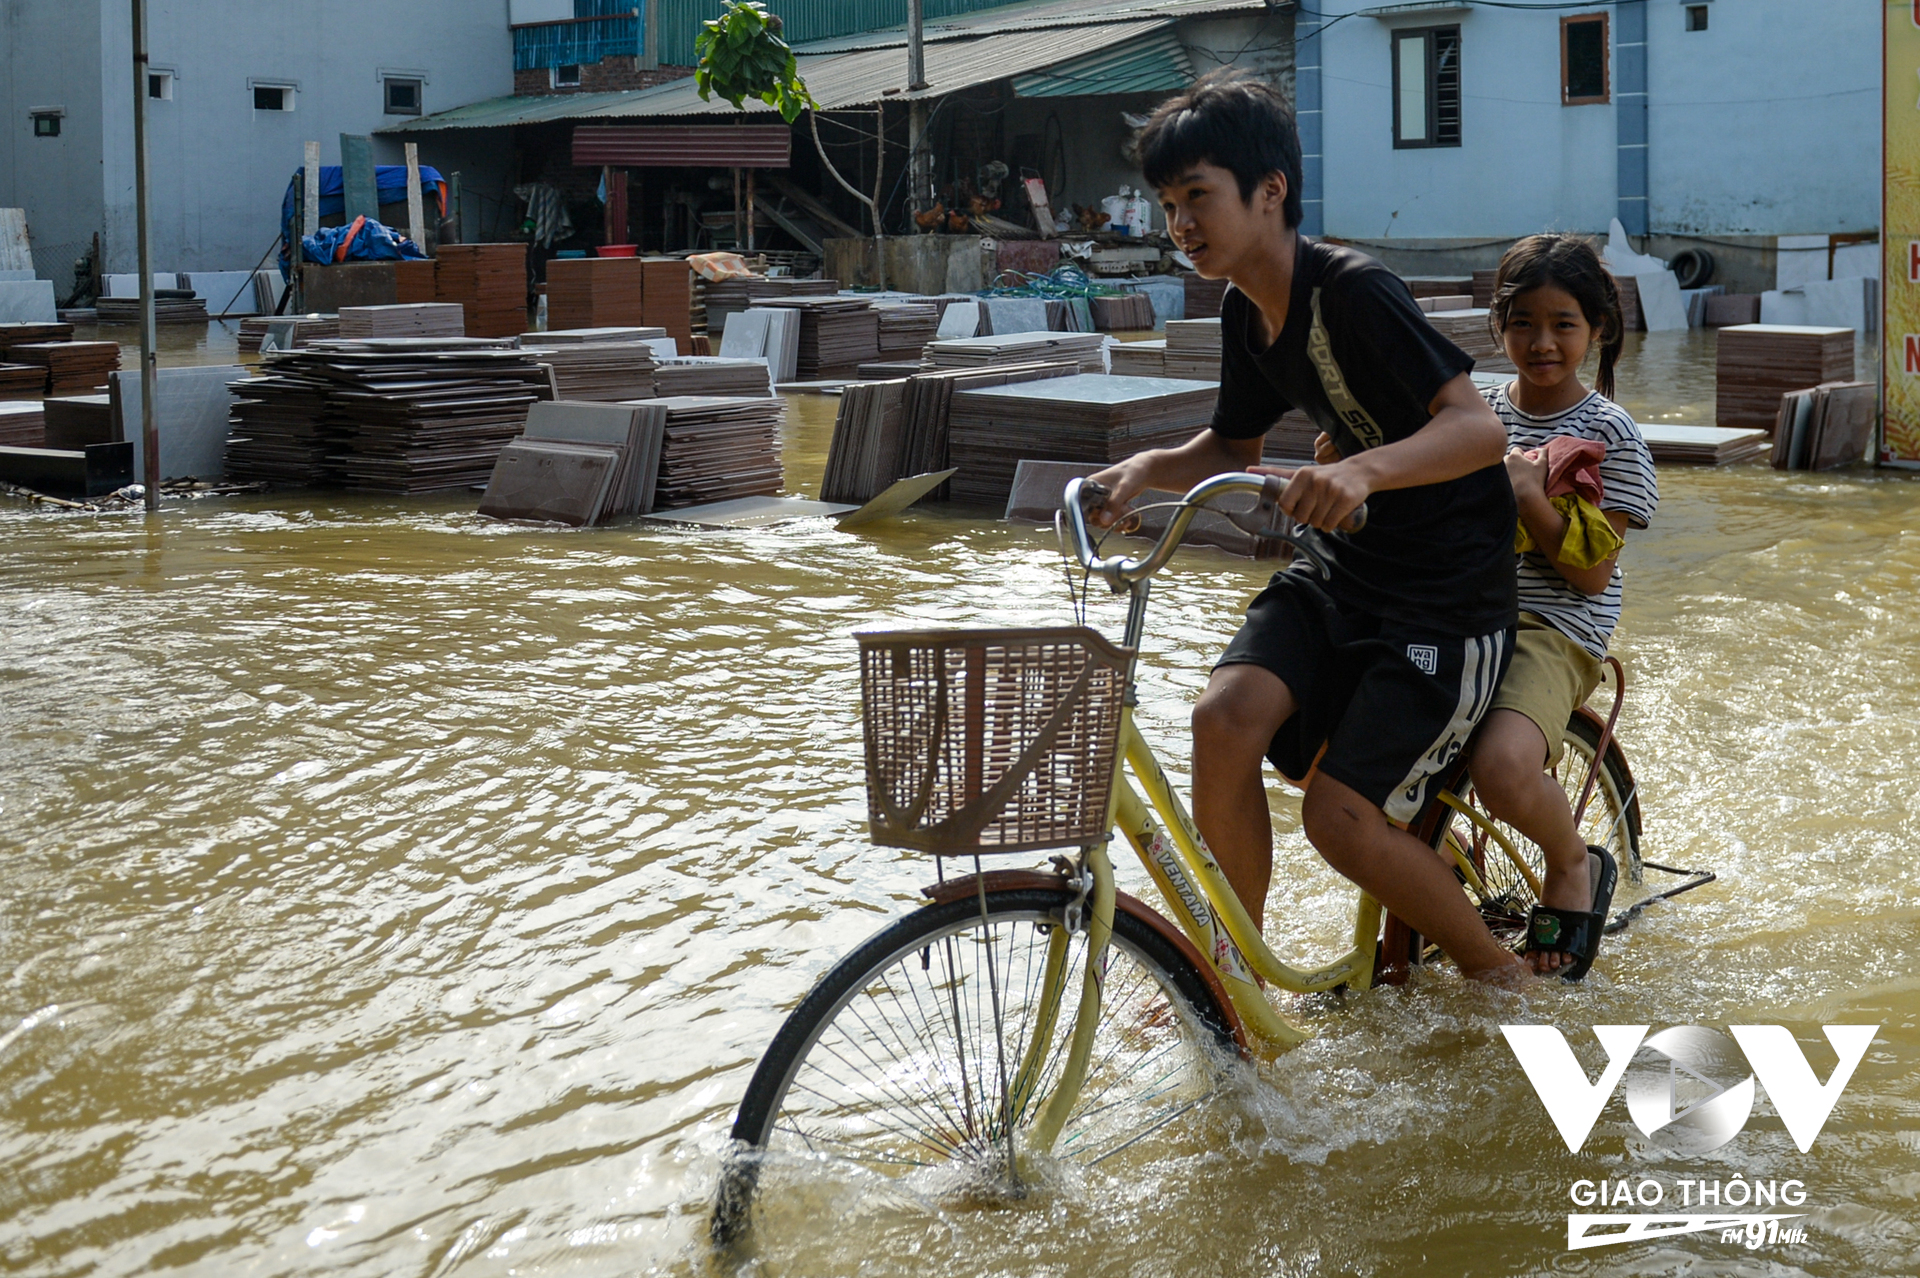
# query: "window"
{"type": "Point", "coordinates": [1583, 59]}
{"type": "Point", "coordinates": [567, 77]}
{"type": "Point", "coordinates": [403, 97]}
{"type": "Point", "coordinates": [46, 124]}
{"type": "Point", "coordinates": [1426, 87]}
{"type": "Point", "coordinates": [160, 85]}
{"type": "Point", "coordinates": [272, 97]}
{"type": "Point", "coordinates": [1696, 17]}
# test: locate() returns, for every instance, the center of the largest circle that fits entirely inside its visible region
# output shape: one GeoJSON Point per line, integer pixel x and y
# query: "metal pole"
{"type": "Point", "coordinates": [149, 361]}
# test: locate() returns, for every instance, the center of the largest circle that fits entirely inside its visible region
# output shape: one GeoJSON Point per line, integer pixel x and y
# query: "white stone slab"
{"type": "Point", "coordinates": [16, 277]}
{"type": "Point", "coordinates": [27, 302]}
{"type": "Point", "coordinates": [225, 292]}
{"type": "Point", "coordinates": [1799, 259]}
{"type": "Point", "coordinates": [15, 255]}
{"type": "Point", "coordinates": [746, 336]}
{"type": "Point", "coordinates": [962, 319]}
{"type": "Point", "coordinates": [1852, 302]}
{"type": "Point", "coordinates": [128, 285]}
{"type": "Point", "coordinates": [1660, 302]}
{"type": "Point", "coordinates": [192, 408]}
{"type": "Point", "coordinates": [1017, 315]}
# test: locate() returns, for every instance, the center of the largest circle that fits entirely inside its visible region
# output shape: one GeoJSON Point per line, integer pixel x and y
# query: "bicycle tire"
{"type": "Point", "coordinates": [894, 1022]}
{"type": "Point", "coordinates": [1612, 820]}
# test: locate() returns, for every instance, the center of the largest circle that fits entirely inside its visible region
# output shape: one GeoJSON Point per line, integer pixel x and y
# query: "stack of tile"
{"type": "Point", "coordinates": [278, 432]}
{"type": "Point", "coordinates": [1628, 290]}
{"type": "Point", "coordinates": [489, 281]}
{"type": "Point", "coordinates": [23, 424]}
{"type": "Point", "coordinates": [1085, 349]}
{"type": "Point", "coordinates": [1758, 363]}
{"type": "Point", "coordinates": [815, 288]}
{"type": "Point", "coordinates": [1471, 331]}
{"type": "Point", "coordinates": [906, 327]}
{"type": "Point", "coordinates": [711, 375]}
{"type": "Point", "coordinates": [768, 333]}
{"type": "Point", "coordinates": [1203, 297]}
{"type": "Point", "coordinates": [1703, 445]}
{"type": "Point", "coordinates": [1438, 285]}
{"type": "Point", "coordinates": [415, 319]}
{"type": "Point", "coordinates": [1141, 359]}
{"type": "Point", "coordinates": [22, 379]}
{"type": "Point", "coordinates": [72, 367]}
{"type": "Point", "coordinates": [925, 448]}
{"type": "Point", "coordinates": [727, 298]}
{"type": "Point", "coordinates": [717, 449]}
{"type": "Point", "coordinates": [19, 334]}
{"type": "Point", "coordinates": [307, 330]}
{"type": "Point", "coordinates": [669, 298]}
{"type": "Point", "coordinates": [1193, 349]}
{"type": "Point", "coordinates": [1127, 312]}
{"type": "Point", "coordinates": [869, 437]}
{"type": "Point", "coordinates": [595, 292]}
{"type": "Point", "coordinates": [837, 334]}
{"type": "Point", "coordinates": [1085, 418]}
{"type": "Point", "coordinates": [559, 336]}
{"type": "Point", "coordinates": [1481, 286]}
{"type": "Point", "coordinates": [1824, 427]}
{"type": "Point", "coordinates": [579, 464]}
{"type": "Point", "coordinates": [605, 372]}
{"type": "Point", "coordinates": [168, 308]}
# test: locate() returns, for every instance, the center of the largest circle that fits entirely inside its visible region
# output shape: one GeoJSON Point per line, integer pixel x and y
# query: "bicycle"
{"type": "Point", "coordinates": [949, 1046]}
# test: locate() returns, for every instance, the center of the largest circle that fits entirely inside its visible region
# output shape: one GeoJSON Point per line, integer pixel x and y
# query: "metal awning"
{"type": "Point", "coordinates": [1150, 63]}
{"type": "Point", "coordinates": [658, 146]}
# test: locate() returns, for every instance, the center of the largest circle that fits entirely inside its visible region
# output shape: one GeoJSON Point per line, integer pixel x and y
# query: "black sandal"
{"type": "Point", "coordinates": [1576, 932]}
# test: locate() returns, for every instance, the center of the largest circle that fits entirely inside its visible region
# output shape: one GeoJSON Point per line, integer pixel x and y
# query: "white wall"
{"type": "Point", "coordinates": [219, 166]}
{"type": "Point", "coordinates": [1767, 122]}
{"type": "Point", "coordinates": [49, 56]}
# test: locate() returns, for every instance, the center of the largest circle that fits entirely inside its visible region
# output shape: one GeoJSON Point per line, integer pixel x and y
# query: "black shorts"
{"type": "Point", "coordinates": [1394, 704]}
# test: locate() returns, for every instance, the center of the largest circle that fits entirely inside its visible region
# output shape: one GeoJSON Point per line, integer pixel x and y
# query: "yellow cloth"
{"type": "Point", "coordinates": [1590, 538]}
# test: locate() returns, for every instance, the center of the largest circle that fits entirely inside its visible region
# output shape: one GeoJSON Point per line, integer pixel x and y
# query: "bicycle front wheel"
{"type": "Point", "coordinates": [920, 1052]}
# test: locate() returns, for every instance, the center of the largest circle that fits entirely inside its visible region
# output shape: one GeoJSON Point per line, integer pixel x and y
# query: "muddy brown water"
{"type": "Point", "coordinates": [384, 890]}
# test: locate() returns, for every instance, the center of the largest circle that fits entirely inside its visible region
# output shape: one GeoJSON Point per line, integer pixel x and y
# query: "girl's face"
{"type": "Point", "coordinates": [1546, 336]}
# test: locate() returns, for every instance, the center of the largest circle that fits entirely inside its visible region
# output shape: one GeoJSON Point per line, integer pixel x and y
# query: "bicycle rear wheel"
{"type": "Point", "coordinates": [893, 1062]}
{"type": "Point", "coordinates": [1612, 821]}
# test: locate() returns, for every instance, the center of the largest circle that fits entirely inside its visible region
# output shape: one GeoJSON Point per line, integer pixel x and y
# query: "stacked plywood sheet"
{"type": "Point", "coordinates": [278, 431]}
{"type": "Point", "coordinates": [669, 298]}
{"type": "Point", "coordinates": [72, 367]}
{"type": "Point", "coordinates": [410, 319]}
{"type": "Point", "coordinates": [16, 379]}
{"type": "Point", "coordinates": [595, 292]}
{"type": "Point", "coordinates": [616, 333]}
{"type": "Point", "coordinates": [718, 448]}
{"type": "Point", "coordinates": [906, 327]}
{"type": "Point", "coordinates": [1140, 359]}
{"type": "Point", "coordinates": [1203, 296]}
{"type": "Point", "coordinates": [1439, 285]}
{"type": "Point", "coordinates": [869, 438]}
{"type": "Point", "coordinates": [1758, 363]}
{"type": "Point", "coordinates": [579, 464]}
{"type": "Point", "coordinates": [1125, 313]}
{"type": "Point", "coordinates": [1085, 349]}
{"type": "Point", "coordinates": [837, 334]}
{"type": "Point", "coordinates": [1089, 418]}
{"type": "Point", "coordinates": [726, 298]}
{"type": "Point", "coordinates": [168, 308]}
{"type": "Point", "coordinates": [1824, 427]}
{"type": "Point", "coordinates": [711, 375]}
{"type": "Point", "coordinates": [1481, 286]}
{"type": "Point", "coordinates": [926, 447]}
{"type": "Point", "coordinates": [413, 281]}
{"type": "Point", "coordinates": [306, 330]}
{"type": "Point", "coordinates": [1472, 332]}
{"type": "Point", "coordinates": [18, 334]}
{"type": "Point", "coordinates": [600, 372]}
{"type": "Point", "coordinates": [489, 281]}
{"type": "Point", "coordinates": [1193, 349]}
{"type": "Point", "coordinates": [23, 424]}
{"type": "Point", "coordinates": [1703, 445]}
{"type": "Point", "coordinates": [1627, 288]}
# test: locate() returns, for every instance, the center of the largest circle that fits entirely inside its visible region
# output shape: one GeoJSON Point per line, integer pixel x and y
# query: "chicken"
{"type": "Point", "coordinates": [930, 220]}
{"type": "Point", "coordinates": [957, 222]}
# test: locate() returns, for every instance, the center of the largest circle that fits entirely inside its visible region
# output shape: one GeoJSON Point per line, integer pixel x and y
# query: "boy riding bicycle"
{"type": "Point", "coordinates": [1366, 686]}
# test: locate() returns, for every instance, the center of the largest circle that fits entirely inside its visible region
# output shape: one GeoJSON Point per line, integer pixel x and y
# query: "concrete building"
{"type": "Point", "coordinates": [1434, 127]}
{"type": "Point", "coordinates": [236, 89]}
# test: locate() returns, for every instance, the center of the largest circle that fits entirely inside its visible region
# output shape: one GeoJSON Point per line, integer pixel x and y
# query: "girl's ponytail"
{"type": "Point", "coordinates": [1566, 262]}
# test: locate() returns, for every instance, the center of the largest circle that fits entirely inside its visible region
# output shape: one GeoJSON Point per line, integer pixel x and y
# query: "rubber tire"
{"type": "Point", "coordinates": [753, 1122]}
{"type": "Point", "coordinates": [1693, 267]}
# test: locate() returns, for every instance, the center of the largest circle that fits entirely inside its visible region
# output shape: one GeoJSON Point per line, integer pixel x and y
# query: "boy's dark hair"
{"type": "Point", "coordinates": [1228, 119]}
{"type": "Point", "coordinates": [1566, 262]}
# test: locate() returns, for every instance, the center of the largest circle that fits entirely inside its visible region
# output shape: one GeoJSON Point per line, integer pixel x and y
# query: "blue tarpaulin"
{"type": "Point", "coordinates": [359, 241]}
{"type": "Point", "coordinates": [390, 185]}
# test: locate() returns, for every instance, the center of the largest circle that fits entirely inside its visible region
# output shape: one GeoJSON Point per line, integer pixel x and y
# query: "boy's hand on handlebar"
{"type": "Point", "coordinates": [1121, 488]}
{"type": "Point", "coordinates": [1322, 497]}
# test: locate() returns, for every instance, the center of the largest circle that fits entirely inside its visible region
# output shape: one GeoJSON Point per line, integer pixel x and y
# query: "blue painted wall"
{"type": "Point", "coordinates": [1766, 123]}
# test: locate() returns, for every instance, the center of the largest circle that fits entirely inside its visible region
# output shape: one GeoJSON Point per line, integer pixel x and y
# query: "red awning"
{"type": "Point", "coordinates": [753, 146]}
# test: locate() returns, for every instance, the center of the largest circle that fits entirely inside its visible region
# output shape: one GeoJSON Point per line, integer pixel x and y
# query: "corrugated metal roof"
{"type": "Point", "coordinates": [494, 113]}
{"type": "Point", "coordinates": [1033, 15]}
{"type": "Point", "coordinates": [752, 146]}
{"type": "Point", "coordinates": [1151, 63]}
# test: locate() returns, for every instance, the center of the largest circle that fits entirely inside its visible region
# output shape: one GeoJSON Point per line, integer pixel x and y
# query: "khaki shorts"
{"type": "Point", "coordinates": [1549, 676]}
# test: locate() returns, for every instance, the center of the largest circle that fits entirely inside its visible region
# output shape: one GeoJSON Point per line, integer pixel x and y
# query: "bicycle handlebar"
{"type": "Point", "coordinates": [1264, 520]}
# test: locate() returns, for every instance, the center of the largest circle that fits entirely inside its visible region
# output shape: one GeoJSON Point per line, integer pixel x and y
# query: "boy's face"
{"type": "Point", "coordinates": [1213, 226]}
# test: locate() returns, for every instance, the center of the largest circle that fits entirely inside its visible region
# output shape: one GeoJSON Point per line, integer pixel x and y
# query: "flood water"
{"type": "Point", "coordinates": [384, 890]}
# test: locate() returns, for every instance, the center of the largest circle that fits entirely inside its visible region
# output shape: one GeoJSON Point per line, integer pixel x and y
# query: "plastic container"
{"type": "Point", "coordinates": [618, 250]}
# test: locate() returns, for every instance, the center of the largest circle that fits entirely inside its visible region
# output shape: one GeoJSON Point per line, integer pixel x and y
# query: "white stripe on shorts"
{"type": "Point", "coordinates": [1479, 679]}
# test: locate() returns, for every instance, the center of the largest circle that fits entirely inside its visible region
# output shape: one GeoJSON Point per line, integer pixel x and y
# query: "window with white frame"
{"type": "Point", "coordinates": [402, 95]}
{"type": "Point", "coordinates": [567, 77]}
{"type": "Point", "coordinates": [273, 97]}
{"type": "Point", "coordinates": [1426, 87]}
{"type": "Point", "coordinates": [160, 85]}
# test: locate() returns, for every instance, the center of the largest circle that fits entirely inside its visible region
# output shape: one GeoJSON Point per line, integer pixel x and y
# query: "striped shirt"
{"type": "Point", "coordinates": [1626, 473]}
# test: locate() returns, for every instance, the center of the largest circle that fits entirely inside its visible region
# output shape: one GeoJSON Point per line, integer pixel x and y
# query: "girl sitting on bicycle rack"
{"type": "Point", "coordinates": [1552, 301]}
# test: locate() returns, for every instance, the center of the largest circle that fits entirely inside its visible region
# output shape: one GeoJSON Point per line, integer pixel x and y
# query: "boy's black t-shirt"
{"type": "Point", "coordinates": [1359, 358]}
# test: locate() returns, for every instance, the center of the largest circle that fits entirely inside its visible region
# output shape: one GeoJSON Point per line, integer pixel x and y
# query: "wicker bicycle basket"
{"type": "Point", "coordinates": [990, 740]}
